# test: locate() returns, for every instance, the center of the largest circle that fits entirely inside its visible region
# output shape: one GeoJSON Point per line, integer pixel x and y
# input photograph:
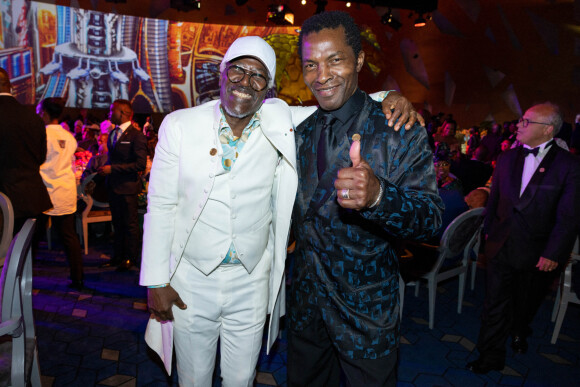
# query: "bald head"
{"type": "Point", "coordinates": [5, 85]}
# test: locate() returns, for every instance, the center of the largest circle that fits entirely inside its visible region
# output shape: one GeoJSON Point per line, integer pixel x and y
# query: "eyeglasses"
{"type": "Point", "coordinates": [441, 164]}
{"type": "Point", "coordinates": [257, 81]}
{"type": "Point", "coordinates": [525, 122]}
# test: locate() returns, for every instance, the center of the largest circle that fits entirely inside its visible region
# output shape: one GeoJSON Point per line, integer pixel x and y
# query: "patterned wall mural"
{"type": "Point", "coordinates": [91, 58]}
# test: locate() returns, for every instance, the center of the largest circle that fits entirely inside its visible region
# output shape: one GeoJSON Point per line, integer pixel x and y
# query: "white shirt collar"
{"type": "Point", "coordinates": [542, 147]}
{"type": "Point", "coordinates": [124, 126]}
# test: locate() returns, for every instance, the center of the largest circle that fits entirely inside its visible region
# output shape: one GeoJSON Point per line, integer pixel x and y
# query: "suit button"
{"type": "Point", "coordinates": [211, 174]}
{"type": "Point", "coordinates": [187, 230]}
{"type": "Point", "coordinates": [234, 236]}
{"type": "Point", "coordinates": [181, 245]}
{"type": "Point", "coordinates": [233, 196]}
{"type": "Point", "coordinates": [234, 216]}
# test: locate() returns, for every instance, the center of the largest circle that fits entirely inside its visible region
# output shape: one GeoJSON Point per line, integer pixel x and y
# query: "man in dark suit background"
{"type": "Point", "coordinates": [127, 159]}
{"type": "Point", "coordinates": [22, 152]}
{"type": "Point", "coordinates": [344, 306]}
{"type": "Point", "coordinates": [532, 220]}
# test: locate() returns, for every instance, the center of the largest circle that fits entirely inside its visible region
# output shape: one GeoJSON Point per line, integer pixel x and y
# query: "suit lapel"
{"type": "Point", "coordinates": [516, 176]}
{"type": "Point", "coordinates": [325, 188]}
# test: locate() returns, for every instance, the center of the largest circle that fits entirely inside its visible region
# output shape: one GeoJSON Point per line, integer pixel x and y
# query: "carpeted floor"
{"type": "Point", "coordinates": [95, 337]}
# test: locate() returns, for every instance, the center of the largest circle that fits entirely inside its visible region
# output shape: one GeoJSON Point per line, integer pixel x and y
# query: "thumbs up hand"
{"type": "Point", "coordinates": [357, 187]}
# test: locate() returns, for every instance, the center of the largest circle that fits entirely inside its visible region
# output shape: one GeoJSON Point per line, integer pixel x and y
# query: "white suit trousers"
{"type": "Point", "coordinates": [228, 304]}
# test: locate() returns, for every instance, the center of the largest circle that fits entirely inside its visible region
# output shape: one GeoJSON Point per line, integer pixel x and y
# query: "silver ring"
{"type": "Point", "coordinates": [344, 193]}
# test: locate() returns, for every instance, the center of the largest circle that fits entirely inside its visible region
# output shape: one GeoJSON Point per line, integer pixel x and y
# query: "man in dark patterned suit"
{"type": "Point", "coordinates": [350, 210]}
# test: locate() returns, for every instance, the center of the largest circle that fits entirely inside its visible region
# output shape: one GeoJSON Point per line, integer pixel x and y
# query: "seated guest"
{"type": "Point", "coordinates": [492, 141]}
{"type": "Point", "coordinates": [477, 198]}
{"type": "Point", "coordinates": [473, 141]}
{"type": "Point", "coordinates": [78, 130]}
{"type": "Point", "coordinates": [475, 172]}
{"type": "Point", "coordinates": [505, 145]}
{"type": "Point", "coordinates": [89, 142]}
{"type": "Point", "coordinates": [99, 191]}
{"type": "Point", "coordinates": [450, 191]}
{"type": "Point", "coordinates": [447, 136]}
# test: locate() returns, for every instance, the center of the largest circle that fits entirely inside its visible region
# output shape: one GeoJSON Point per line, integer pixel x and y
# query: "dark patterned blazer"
{"type": "Point", "coordinates": [128, 158]}
{"type": "Point", "coordinates": [544, 221]}
{"type": "Point", "coordinates": [346, 263]}
{"type": "Point", "coordinates": [22, 152]}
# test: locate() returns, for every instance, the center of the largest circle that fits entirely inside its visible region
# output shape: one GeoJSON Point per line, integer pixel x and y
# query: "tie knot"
{"type": "Point", "coordinates": [528, 151]}
{"type": "Point", "coordinates": [328, 119]}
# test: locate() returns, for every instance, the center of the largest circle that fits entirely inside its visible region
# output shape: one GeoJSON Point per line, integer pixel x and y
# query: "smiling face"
{"type": "Point", "coordinates": [330, 67]}
{"type": "Point", "coordinates": [239, 99]}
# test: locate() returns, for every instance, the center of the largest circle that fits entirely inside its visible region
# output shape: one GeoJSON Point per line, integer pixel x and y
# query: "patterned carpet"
{"type": "Point", "coordinates": [95, 337]}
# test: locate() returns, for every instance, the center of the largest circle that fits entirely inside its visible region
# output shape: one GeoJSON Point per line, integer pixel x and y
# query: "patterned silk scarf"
{"type": "Point", "coordinates": [232, 146]}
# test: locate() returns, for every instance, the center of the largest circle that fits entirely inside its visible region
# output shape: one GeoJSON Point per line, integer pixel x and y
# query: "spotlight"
{"type": "Point", "coordinates": [186, 5]}
{"type": "Point", "coordinates": [420, 21]}
{"type": "Point", "coordinates": [389, 20]}
{"type": "Point", "coordinates": [280, 15]}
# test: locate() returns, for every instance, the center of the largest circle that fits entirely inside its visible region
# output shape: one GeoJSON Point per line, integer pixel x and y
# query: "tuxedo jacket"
{"type": "Point", "coordinates": [127, 159]}
{"type": "Point", "coordinates": [346, 264]}
{"type": "Point", "coordinates": [22, 152]}
{"type": "Point", "coordinates": [545, 220]}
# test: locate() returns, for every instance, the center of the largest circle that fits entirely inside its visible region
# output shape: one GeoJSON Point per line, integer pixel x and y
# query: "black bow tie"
{"type": "Point", "coordinates": [528, 151]}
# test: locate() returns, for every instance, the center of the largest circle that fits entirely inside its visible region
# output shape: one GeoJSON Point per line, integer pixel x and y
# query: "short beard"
{"type": "Point", "coordinates": [234, 114]}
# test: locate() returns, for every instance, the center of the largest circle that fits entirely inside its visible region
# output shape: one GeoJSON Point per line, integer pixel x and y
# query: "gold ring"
{"type": "Point", "coordinates": [345, 193]}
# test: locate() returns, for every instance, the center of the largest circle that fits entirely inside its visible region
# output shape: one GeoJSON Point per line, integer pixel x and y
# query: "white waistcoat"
{"type": "Point", "coordinates": [237, 212]}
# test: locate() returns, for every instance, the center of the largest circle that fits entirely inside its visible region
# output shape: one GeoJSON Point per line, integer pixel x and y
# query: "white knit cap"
{"type": "Point", "coordinates": [255, 47]}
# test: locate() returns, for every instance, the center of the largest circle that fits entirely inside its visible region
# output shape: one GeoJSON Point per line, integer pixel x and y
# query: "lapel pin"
{"type": "Point", "coordinates": [213, 151]}
{"type": "Point", "coordinates": [291, 129]}
{"type": "Point", "coordinates": [542, 170]}
{"type": "Point", "coordinates": [356, 137]}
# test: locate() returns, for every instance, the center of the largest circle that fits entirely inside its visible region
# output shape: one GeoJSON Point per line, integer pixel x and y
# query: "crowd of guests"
{"type": "Point", "coordinates": [465, 159]}
{"type": "Point", "coordinates": [351, 202]}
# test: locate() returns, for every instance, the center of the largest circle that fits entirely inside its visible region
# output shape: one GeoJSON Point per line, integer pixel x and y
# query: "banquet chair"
{"type": "Point", "coordinates": [90, 214]}
{"type": "Point", "coordinates": [7, 221]}
{"type": "Point", "coordinates": [17, 322]}
{"type": "Point", "coordinates": [566, 293]}
{"type": "Point", "coordinates": [453, 254]}
{"type": "Point", "coordinates": [475, 247]}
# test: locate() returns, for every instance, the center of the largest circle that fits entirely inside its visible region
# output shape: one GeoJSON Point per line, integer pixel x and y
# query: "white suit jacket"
{"type": "Point", "coordinates": [181, 179]}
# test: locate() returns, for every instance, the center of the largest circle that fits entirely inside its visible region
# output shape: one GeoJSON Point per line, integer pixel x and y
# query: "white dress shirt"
{"type": "Point", "coordinates": [532, 162]}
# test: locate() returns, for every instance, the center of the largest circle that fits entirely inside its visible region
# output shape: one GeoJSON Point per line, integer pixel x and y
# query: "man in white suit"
{"type": "Point", "coordinates": [217, 224]}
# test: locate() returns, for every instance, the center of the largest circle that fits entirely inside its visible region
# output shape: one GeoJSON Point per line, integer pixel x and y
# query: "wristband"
{"type": "Point", "coordinates": [157, 286]}
{"type": "Point", "coordinates": [380, 195]}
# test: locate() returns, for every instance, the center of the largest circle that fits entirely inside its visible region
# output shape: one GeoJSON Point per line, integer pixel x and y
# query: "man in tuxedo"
{"type": "Point", "coordinates": [532, 220]}
{"type": "Point", "coordinates": [361, 186]}
{"type": "Point", "coordinates": [22, 152]}
{"type": "Point", "coordinates": [127, 159]}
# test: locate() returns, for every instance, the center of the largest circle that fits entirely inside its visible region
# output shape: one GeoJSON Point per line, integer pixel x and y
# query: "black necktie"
{"type": "Point", "coordinates": [528, 151]}
{"type": "Point", "coordinates": [116, 135]}
{"type": "Point", "coordinates": [326, 143]}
